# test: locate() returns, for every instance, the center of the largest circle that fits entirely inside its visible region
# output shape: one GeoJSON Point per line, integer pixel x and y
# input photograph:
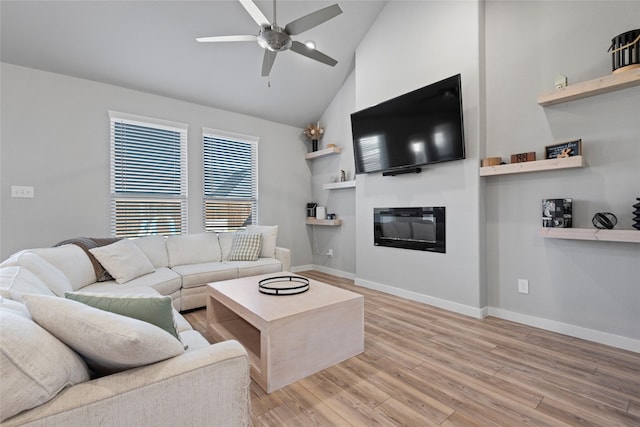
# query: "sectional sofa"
{"type": "Point", "coordinates": [69, 359]}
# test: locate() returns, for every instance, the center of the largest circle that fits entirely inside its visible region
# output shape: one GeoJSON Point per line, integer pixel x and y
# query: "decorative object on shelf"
{"type": "Point", "coordinates": [523, 157]}
{"type": "Point", "coordinates": [331, 216]}
{"type": "Point", "coordinates": [321, 212]}
{"type": "Point", "coordinates": [311, 209]}
{"type": "Point", "coordinates": [604, 220]}
{"type": "Point", "coordinates": [564, 149]}
{"type": "Point", "coordinates": [557, 213]}
{"type": "Point", "coordinates": [491, 161]}
{"type": "Point", "coordinates": [343, 175]}
{"type": "Point", "coordinates": [560, 81]}
{"type": "Point", "coordinates": [283, 285]}
{"type": "Point", "coordinates": [636, 215]}
{"type": "Point", "coordinates": [314, 133]}
{"type": "Point", "coordinates": [625, 51]}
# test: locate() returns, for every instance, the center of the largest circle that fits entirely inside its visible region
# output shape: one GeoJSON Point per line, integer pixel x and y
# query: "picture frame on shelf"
{"type": "Point", "coordinates": [557, 213]}
{"type": "Point", "coordinates": [563, 149]}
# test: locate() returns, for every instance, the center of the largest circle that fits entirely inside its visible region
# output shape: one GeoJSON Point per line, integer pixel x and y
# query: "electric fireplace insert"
{"type": "Point", "coordinates": [419, 228]}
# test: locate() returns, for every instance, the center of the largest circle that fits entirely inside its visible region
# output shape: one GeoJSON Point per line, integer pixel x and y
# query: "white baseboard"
{"type": "Point", "coordinates": [299, 268]}
{"type": "Point", "coordinates": [467, 310]}
{"type": "Point", "coordinates": [567, 329]}
{"type": "Point", "coordinates": [339, 273]}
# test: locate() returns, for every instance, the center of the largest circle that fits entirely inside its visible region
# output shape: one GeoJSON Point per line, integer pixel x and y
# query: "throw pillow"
{"type": "Point", "coordinates": [16, 281]}
{"type": "Point", "coordinates": [157, 310]}
{"type": "Point", "coordinates": [107, 341]}
{"type": "Point", "coordinates": [35, 365]}
{"type": "Point", "coordinates": [123, 260]}
{"type": "Point", "coordinates": [86, 243]}
{"type": "Point", "coordinates": [48, 274]}
{"type": "Point", "coordinates": [245, 247]}
{"type": "Point", "coordinates": [269, 239]}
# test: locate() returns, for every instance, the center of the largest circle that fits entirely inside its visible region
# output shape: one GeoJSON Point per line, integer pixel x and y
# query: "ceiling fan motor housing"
{"type": "Point", "coordinates": [274, 39]}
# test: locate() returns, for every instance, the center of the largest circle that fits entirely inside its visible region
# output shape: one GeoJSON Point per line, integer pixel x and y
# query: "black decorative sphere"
{"type": "Point", "coordinates": [604, 220]}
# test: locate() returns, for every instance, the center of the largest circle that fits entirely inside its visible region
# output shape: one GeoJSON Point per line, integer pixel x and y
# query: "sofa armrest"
{"type": "Point", "coordinates": [209, 386]}
{"type": "Point", "coordinates": [284, 256]}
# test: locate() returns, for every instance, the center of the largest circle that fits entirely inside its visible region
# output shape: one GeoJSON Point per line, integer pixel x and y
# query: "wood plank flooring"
{"type": "Point", "coordinates": [424, 366]}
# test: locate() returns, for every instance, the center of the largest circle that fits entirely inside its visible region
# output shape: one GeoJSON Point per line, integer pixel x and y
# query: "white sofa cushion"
{"type": "Point", "coordinates": [72, 261]}
{"type": "Point", "coordinates": [14, 307]}
{"type": "Point", "coordinates": [201, 274]}
{"type": "Point", "coordinates": [16, 281]}
{"type": "Point", "coordinates": [155, 248]}
{"type": "Point", "coordinates": [48, 274]}
{"type": "Point", "coordinates": [193, 249]}
{"type": "Point", "coordinates": [226, 241]}
{"type": "Point", "coordinates": [245, 247]}
{"type": "Point", "coordinates": [35, 365]}
{"type": "Point", "coordinates": [164, 280]}
{"type": "Point", "coordinates": [108, 342]}
{"type": "Point", "coordinates": [255, 268]}
{"type": "Point", "coordinates": [124, 260]}
{"type": "Point", "coordinates": [269, 239]}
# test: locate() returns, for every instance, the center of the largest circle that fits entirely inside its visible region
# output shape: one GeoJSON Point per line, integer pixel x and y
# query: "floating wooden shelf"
{"type": "Point", "coordinates": [598, 86]}
{"type": "Point", "coordinates": [629, 236]}
{"type": "Point", "coordinates": [535, 166]}
{"type": "Point", "coordinates": [339, 185]}
{"type": "Point", "coordinates": [329, 222]}
{"type": "Point", "coordinates": [322, 153]}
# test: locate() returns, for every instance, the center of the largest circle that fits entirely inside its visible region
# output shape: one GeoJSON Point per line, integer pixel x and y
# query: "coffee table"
{"type": "Point", "coordinates": [287, 337]}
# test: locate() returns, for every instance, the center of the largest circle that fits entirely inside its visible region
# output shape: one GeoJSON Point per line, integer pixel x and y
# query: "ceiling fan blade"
{"type": "Point", "coordinates": [247, 38]}
{"type": "Point", "coordinates": [300, 48]}
{"type": "Point", "coordinates": [267, 62]}
{"type": "Point", "coordinates": [313, 19]}
{"type": "Point", "coordinates": [255, 13]}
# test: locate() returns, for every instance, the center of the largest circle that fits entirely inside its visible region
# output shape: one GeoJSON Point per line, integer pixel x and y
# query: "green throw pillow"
{"type": "Point", "coordinates": [245, 247]}
{"type": "Point", "coordinates": [157, 310]}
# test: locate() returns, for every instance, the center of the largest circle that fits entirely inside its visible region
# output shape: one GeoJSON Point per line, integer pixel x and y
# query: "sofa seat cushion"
{"type": "Point", "coordinates": [108, 342]}
{"type": "Point", "coordinates": [200, 274]}
{"type": "Point", "coordinates": [260, 266]}
{"type": "Point", "coordinates": [163, 280]}
{"type": "Point", "coordinates": [36, 366]}
{"type": "Point", "coordinates": [193, 340]}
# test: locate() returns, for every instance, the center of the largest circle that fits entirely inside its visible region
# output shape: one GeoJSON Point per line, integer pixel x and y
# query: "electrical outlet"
{"type": "Point", "coordinates": [22, 191]}
{"type": "Point", "coordinates": [523, 286]}
{"type": "Point", "coordinates": [330, 253]}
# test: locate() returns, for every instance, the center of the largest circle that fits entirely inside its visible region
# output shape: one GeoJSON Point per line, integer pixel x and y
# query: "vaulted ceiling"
{"type": "Point", "coordinates": [150, 46]}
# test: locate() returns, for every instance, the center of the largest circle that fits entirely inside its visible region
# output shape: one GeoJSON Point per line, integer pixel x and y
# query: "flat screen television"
{"type": "Point", "coordinates": [418, 128]}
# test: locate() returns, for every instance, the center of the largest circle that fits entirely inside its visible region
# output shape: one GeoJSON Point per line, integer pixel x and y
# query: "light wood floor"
{"type": "Point", "coordinates": [425, 366]}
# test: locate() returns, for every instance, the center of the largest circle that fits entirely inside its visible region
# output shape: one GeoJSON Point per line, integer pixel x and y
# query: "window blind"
{"type": "Point", "coordinates": [230, 165]}
{"type": "Point", "coordinates": [148, 176]}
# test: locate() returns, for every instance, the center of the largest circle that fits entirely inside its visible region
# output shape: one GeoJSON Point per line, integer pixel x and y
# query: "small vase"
{"type": "Point", "coordinates": [314, 145]}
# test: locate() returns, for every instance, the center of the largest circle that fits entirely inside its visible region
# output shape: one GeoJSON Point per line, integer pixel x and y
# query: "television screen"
{"type": "Point", "coordinates": [418, 128]}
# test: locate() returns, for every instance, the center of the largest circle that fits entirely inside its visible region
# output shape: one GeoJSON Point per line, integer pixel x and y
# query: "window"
{"type": "Point", "coordinates": [230, 180]}
{"type": "Point", "coordinates": [148, 176]}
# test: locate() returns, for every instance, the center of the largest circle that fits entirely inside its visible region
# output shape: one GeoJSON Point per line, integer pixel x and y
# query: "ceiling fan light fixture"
{"type": "Point", "coordinates": [274, 39]}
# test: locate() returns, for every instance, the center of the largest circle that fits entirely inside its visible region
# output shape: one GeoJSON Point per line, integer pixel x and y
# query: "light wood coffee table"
{"type": "Point", "coordinates": [288, 337]}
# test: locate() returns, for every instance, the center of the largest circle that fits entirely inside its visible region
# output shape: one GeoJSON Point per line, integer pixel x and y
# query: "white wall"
{"type": "Point", "coordinates": [55, 137]}
{"type": "Point", "coordinates": [413, 44]}
{"type": "Point", "coordinates": [337, 124]}
{"type": "Point", "coordinates": [584, 288]}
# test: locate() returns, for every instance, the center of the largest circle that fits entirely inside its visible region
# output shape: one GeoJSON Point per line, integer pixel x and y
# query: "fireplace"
{"type": "Point", "coordinates": [421, 229]}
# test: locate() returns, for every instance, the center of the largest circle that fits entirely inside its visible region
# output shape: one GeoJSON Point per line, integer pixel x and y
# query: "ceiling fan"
{"type": "Point", "coordinates": [274, 39]}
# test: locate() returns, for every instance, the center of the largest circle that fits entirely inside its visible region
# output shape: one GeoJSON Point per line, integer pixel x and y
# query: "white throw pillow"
{"type": "Point", "coordinates": [123, 260]}
{"type": "Point", "coordinates": [269, 239]}
{"type": "Point", "coordinates": [226, 241]}
{"type": "Point", "coordinates": [108, 342]}
{"type": "Point", "coordinates": [48, 274]}
{"type": "Point", "coordinates": [14, 307]}
{"type": "Point", "coordinates": [197, 248]}
{"type": "Point", "coordinates": [16, 281]}
{"type": "Point", "coordinates": [35, 365]}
